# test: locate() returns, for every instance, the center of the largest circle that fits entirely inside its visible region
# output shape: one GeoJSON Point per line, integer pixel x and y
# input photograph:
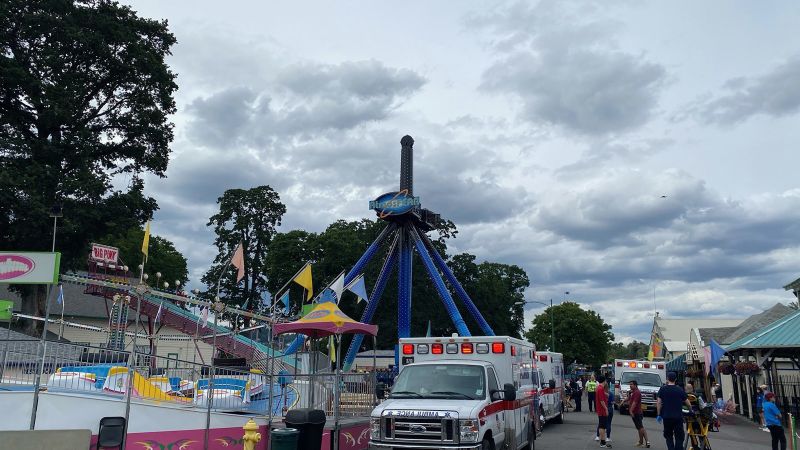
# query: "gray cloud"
{"type": "Point", "coordinates": [566, 72]}
{"type": "Point", "coordinates": [304, 101]}
{"type": "Point", "coordinates": [775, 94]}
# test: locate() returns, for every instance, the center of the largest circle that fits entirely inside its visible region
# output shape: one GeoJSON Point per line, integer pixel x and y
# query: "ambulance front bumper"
{"type": "Point", "coordinates": [393, 445]}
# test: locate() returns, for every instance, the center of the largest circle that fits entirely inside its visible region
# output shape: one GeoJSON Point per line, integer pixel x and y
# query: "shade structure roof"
{"type": "Point", "coordinates": [678, 364]}
{"type": "Point", "coordinates": [783, 333]}
{"type": "Point", "coordinates": [324, 320]}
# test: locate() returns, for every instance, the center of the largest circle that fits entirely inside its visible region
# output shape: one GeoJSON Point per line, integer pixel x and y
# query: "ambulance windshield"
{"type": "Point", "coordinates": [642, 378]}
{"type": "Point", "coordinates": [452, 381]}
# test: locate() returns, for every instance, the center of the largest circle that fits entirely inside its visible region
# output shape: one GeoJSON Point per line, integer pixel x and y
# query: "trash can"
{"type": "Point", "coordinates": [283, 439]}
{"type": "Point", "coordinates": [310, 423]}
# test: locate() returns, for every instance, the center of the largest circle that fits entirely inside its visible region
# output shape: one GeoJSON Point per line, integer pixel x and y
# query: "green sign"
{"type": "Point", "coordinates": [6, 307]}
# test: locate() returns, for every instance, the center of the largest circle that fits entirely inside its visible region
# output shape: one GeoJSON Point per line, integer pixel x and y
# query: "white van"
{"type": "Point", "coordinates": [649, 375]}
{"type": "Point", "coordinates": [459, 393]}
{"type": "Point", "coordinates": [550, 369]}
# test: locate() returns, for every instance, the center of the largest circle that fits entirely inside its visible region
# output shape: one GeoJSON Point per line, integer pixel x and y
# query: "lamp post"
{"type": "Point", "coordinates": [552, 325]}
{"type": "Point", "coordinates": [55, 213]}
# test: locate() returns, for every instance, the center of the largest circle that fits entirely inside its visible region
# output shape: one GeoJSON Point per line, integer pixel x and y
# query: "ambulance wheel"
{"type": "Point", "coordinates": [487, 444]}
{"type": "Point", "coordinates": [559, 418]}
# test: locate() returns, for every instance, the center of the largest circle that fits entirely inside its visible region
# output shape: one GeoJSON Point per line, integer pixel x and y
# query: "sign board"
{"type": "Point", "coordinates": [105, 253]}
{"type": "Point", "coordinates": [6, 308]}
{"type": "Point", "coordinates": [394, 204]}
{"type": "Point", "coordinates": [29, 267]}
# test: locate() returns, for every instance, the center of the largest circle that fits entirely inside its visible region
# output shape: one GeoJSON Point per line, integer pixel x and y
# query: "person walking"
{"type": "Point", "coordinates": [772, 417]}
{"type": "Point", "coordinates": [591, 385]}
{"type": "Point", "coordinates": [607, 387]}
{"type": "Point", "coordinates": [671, 399]}
{"type": "Point", "coordinates": [602, 407]}
{"type": "Point", "coordinates": [576, 393]}
{"type": "Point", "coordinates": [635, 408]}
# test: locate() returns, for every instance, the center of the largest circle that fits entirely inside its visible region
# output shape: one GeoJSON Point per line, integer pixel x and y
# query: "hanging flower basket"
{"type": "Point", "coordinates": [747, 368]}
{"type": "Point", "coordinates": [727, 369]}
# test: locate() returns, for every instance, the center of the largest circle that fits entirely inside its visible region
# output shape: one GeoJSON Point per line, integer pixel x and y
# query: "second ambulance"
{"type": "Point", "coordinates": [649, 375]}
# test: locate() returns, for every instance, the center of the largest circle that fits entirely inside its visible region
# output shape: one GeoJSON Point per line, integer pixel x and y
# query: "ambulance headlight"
{"type": "Point", "coordinates": [375, 428]}
{"type": "Point", "coordinates": [468, 430]}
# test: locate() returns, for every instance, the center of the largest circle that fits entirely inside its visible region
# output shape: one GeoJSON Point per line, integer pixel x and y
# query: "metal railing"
{"type": "Point", "coordinates": [92, 370]}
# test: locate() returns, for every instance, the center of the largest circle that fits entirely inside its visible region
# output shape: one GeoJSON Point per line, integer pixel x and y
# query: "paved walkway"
{"type": "Point", "coordinates": [578, 431]}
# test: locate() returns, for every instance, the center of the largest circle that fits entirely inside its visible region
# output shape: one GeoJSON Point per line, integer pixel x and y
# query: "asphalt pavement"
{"type": "Point", "coordinates": [578, 431]}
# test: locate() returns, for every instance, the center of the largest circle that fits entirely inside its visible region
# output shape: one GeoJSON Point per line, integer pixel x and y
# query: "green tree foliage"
{"type": "Point", "coordinates": [633, 350]}
{"type": "Point", "coordinates": [250, 217]}
{"type": "Point", "coordinates": [163, 257]}
{"type": "Point", "coordinates": [580, 335]}
{"type": "Point", "coordinates": [85, 96]}
{"type": "Point", "coordinates": [493, 287]}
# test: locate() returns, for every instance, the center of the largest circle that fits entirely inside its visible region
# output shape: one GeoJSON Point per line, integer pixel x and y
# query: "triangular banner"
{"type": "Point", "coordinates": [359, 288]}
{"type": "Point", "coordinates": [304, 279]}
{"type": "Point", "coordinates": [338, 287]}
{"type": "Point", "coordinates": [285, 301]}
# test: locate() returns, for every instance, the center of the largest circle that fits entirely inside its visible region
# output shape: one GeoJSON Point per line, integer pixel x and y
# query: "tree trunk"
{"type": "Point", "coordinates": [33, 304]}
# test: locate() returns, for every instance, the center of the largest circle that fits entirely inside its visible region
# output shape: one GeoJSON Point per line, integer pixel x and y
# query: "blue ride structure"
{"type": "Point", "coordinates": [406, 230]}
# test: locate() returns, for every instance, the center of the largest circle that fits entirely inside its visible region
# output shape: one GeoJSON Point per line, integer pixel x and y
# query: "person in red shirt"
{"type": "Point", "coordinates": [635, 408]}
{"type": "Point", "coordinates": [601, 406]}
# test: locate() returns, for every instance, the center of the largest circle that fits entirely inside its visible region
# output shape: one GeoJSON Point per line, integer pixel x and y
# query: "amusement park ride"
{"type": "Point", "coordinates": [407, 225]}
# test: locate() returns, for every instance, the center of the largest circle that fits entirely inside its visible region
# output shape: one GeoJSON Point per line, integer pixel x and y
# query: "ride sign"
{"type": "Point", "coordinates": [105, 253]}
{"type": "Point", "coordinates": [394, 204]}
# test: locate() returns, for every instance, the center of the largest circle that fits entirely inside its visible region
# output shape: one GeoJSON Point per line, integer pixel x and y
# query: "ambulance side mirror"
{"type": "Point", "coordinates": [552, 384]}
{"type": "Point", "coordinates": [510, 392]}
{"type": "Point", "coordinates": [380, 391]}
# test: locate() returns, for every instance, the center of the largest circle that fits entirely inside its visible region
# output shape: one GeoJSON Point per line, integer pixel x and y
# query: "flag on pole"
{"type": "Point", "coordinates": [304, 279]}
{"type": "Point", "coordinates": [286, 303]}
{"type": "Point", "coordinates": [332, 348]}
{"type": "Point", "coordinates": [204, 316]}
{"type": "Point", "coordinates": [338, 287]}
{"type": "Point", "coordinates": [158, 314]}
{"type": "Point", "coordinates": [146, 240]}
{"type": "Point", "coordinates": [238, 261]}
{"type": "Point", "coordinates": [717, 353]}
{"type": "Point", "coordinates": [60, 298]}
{"type": "Point", "coordinates": [358, 287]}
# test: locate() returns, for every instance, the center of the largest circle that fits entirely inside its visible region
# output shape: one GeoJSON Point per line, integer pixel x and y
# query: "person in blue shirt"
{"type": "Point", "coordinates": [760, 406]}
{"type": "Point", "coordinates": [671, 399]}
{"type": "Point", "coordinates": [772, 417]}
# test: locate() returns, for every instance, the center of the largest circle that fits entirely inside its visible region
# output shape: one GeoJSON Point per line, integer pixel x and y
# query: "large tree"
{"type": "Point", "coordinates": [632, 350]}
{"type": "Point", "coordinates": [248, 216]}
{"type": "Point", "coordinates": [580, 335]}
{"type": "Point", "coordinates": [85, 97]}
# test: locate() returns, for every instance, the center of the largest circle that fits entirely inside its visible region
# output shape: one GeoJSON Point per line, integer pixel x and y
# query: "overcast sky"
{"type": "Point", "coordinates": [624, 152]}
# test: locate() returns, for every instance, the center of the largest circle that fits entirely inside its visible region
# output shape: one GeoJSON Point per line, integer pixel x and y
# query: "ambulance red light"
{"type": "Point", "coordinates": [498, 347]}
{"type": "Point", "coordinates": [619, 364]}
{"type": "Point", "coordinates": [660, 366]}
{"type": "Point", "coordinates": [542, 357]}
{"type": "Point", "coordinates": [437, 349]}
{"type": "Point", "coordinates": [408, 349]}
{"type": "Point", "coordinates": [646, 365]}
{"type": "Point", "coordinates": [513, 351]}
{"type": "Point", "coordinates": [466, 348]}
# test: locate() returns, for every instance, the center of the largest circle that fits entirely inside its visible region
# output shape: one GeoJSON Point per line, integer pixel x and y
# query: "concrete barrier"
{"type": "Point", "coordinates": [46, 439]}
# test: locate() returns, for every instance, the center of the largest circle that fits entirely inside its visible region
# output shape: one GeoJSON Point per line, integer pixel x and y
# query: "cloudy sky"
{"type": "Point", "coordinates": [629, 153]}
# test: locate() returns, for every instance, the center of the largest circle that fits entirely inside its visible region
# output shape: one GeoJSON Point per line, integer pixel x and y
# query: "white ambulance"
{"type": "Point", "coordinates": [649, 375]}
{"type": "Point", "coordinates": [550, 373]}
{"type": "Point", "coordinates": [459, 393]}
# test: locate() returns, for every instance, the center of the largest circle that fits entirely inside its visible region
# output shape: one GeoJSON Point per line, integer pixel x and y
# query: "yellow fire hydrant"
{"type": "Point", "coordinates": [251, 435]}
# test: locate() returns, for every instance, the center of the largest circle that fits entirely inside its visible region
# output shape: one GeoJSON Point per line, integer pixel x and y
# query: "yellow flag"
{"type": "Point", "coordinates": [650, 354]}
{"type": "Point", "coordinates": [146, 241]}
{"type": "Point", "coordinates": [332, 348]}
{"type": "Point", "coordinates": [304, 279]}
